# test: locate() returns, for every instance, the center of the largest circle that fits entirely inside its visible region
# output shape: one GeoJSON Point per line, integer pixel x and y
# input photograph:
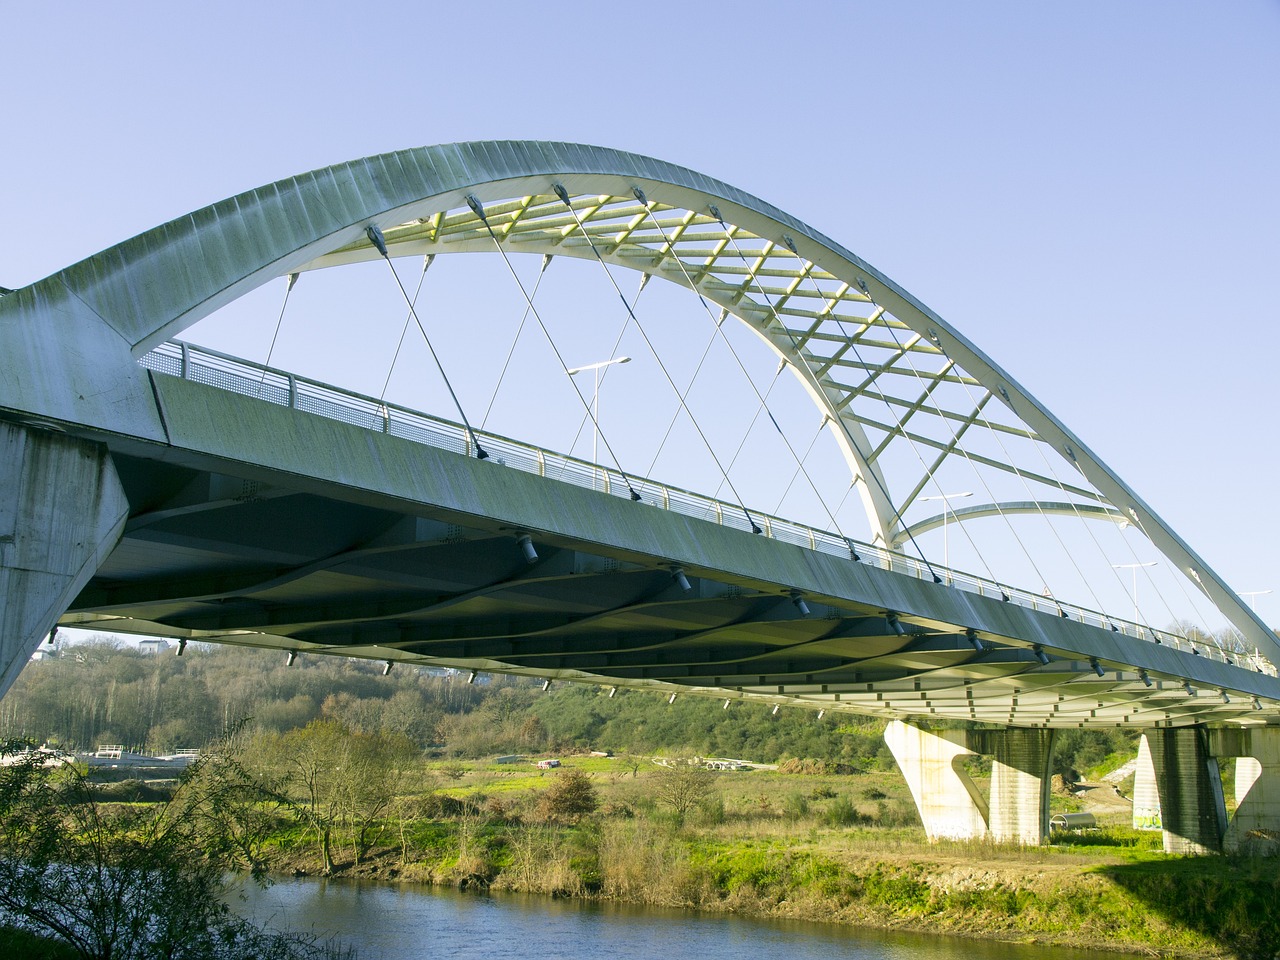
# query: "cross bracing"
{"type": "Point", "coordinates": [907, 399]}
{"type": "Point", "coordinates": [417, 557]}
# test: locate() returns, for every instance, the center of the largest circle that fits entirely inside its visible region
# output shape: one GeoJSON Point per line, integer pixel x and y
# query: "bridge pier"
{"type": "Point", "coordinates": [950, 805]}
{"type": "Point", "coordinates": [1178, 789]}
{"type": "Point", "coordinates": [1255, 826]}
{"type": "Point", "coordinates": [62, 510]}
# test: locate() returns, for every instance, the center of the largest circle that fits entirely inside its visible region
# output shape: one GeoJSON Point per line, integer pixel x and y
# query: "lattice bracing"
{"type": "Point", "coordinates": [915, 409]}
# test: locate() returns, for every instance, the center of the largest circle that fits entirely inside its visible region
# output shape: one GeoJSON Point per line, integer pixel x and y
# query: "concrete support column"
{"type": "Point", "coordinates": [1188, 803]}
{"type": "Point", "coordinates": [62, 510]}
{"type": "Point", "coordinates": [1255, 826]}
{"type": "Point", "coordinates": [1146, 795]}
{"type": "Point", "coordinates": [1020, 778]}
{"type": "Point", "coordinates": [950, 805]}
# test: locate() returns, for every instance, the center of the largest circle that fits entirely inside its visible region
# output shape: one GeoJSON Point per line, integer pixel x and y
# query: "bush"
{"type": "Point", "coordinates": [682, 787]}
{"type": "Point", "coordinates": [841, 812]}
{"type": "Point", "coordinates": [711, 811]}
{"type": "Point", "coordinates": [570, 797]}
{"type": "Point", "coordinates": [795, 806]}
{"type": "Point", "coordinates": [897, 813]}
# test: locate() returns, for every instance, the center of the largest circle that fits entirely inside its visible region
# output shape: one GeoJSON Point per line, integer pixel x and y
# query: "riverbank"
{"type": "Point", "coordinates": [1190, 908]}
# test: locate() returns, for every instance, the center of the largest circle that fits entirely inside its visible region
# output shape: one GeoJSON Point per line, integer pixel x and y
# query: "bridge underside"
{"type": "Point", "coordinates": [394, 551]}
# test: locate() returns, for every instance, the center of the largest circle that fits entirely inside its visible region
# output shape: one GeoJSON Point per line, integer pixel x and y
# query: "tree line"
{"type": "Point", "coordinates": [101, 691]}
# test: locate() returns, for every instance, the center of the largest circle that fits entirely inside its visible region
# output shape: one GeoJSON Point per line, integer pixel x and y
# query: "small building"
{"type": "Point", "coordinates": [153, 646]}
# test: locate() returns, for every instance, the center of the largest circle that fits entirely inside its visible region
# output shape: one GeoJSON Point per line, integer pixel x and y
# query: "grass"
{"type": "Point", "coordinates": [821, 847]}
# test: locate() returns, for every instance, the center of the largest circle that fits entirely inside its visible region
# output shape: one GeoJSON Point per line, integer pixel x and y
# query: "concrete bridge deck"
{"type": "Point", "coordinates": [268, 525]}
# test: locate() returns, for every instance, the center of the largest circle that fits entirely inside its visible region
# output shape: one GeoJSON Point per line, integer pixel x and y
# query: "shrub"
{"type": "Point", "coordinates": [795, 806]}
{"type": "Point", "coordinates": [570, 797]}
{"type": "Point", "coordinates": [841, 812]}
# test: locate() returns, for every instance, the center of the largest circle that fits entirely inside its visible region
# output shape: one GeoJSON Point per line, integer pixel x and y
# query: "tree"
{"type": "Point", "coordinates": [116, 882]}
{"type": "Point", "coordinates": [331, 778]}
{"type": "Point", "coordinates": [570, 797]}
{"type": "Point", "coordinates": [682, 785]}
{"type": "Point", "coordinates": [308, 764]}
{"type": "Point", "coordinates": [373, 770]}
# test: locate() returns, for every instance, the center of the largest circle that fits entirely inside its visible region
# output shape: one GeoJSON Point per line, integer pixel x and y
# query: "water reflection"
{"type": "Point", "coordinates": [401, 922]}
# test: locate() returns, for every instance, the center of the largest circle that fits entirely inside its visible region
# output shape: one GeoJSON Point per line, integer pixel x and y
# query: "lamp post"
{"type": "Point", "coordinates": [946, 499]}
{"type": "Point", "coordinates": [595, 398]}
{"type": "Point", "coordinates": [1134, 568]}
{"type": "Point", "coordinates": [1251, 594]}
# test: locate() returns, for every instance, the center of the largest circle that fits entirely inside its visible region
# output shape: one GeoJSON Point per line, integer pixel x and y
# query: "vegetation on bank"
{"type": "Point", "coordinates": [346, 772]}
{"type": "Point", "coordinates": [85, 878]}
{"type": "Point", "coordinates": [801, 845]}
{"type": "Point", "coordinates": [823, 847]}
{"type": "Point", "coordinates": [89, 693]}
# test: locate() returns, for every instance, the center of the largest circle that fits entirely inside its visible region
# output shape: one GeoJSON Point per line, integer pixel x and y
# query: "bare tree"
{"type": "Point", "coordinates": [682, 785]}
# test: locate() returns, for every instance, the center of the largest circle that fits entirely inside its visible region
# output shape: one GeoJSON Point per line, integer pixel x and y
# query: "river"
{"type": "Point", "coordinates": [399, 922]}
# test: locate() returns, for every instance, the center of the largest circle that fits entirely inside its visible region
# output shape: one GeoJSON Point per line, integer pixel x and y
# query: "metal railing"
{"type": "Point", "coordinates": [201, 365]}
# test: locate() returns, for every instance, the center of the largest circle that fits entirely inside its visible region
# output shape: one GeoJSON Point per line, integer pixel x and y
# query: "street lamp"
{"type": "Point", "coordinates": [1134, 567]}
{"type": "Point", "coordinates": [595, 397]}
{"type": "Point", "coordinates": [1251, 594]}
{"type": "Point", "coordinates": [946, 499]}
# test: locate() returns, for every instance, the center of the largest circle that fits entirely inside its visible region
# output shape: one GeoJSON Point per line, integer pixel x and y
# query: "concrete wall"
{"type": "Point", "coordinates": [61, 511]}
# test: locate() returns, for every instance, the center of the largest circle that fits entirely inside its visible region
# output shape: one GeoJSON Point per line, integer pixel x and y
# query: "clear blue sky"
{"type": "Point", "coordinates": [1087, 190]}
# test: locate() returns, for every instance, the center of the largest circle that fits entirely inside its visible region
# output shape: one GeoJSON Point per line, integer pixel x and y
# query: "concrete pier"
{"type": "Point", "coordinates": [62, 509]}
{"type": "Point", "coordinates": [949, 803]}
{"type": "Point", "coordinates": [1254, 828]}
{"type": "Point", "coordinates": [1020, 777]}
{"type": "Point", "coordinates": [1177, 787]}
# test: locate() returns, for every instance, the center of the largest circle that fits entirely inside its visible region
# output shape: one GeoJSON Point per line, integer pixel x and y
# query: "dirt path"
{"type": "Point", "coordinates": [1103, 800]}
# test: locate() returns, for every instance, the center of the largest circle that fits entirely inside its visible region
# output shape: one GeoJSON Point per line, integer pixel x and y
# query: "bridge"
{"type": "Point", "coordinates": [153, 486]}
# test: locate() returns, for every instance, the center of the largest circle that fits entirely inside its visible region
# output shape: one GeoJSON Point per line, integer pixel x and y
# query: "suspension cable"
{"type": "Point", "coordinates": [904, 352]}
{"type": "Point", "coordinates": [706, 351]}
{"type": "Point", "coordinates": [478, 209]}
{"type": "Point", "coordinates": [761, 398]}
{"type": "Point", "coordinates": [563, 194]}
{"type": "Point", "coordinates": [293, 278]}
{"type": "Point", "coordinates": [426, 262]}
{"type": "Point", "coordinates": [1132, 553]}
{"type": "Point", "coordinates": [546, 262]}
{"type": "Point", "coordinates": [795, 473]}
{"type": "Point", "coordinates": [376, 238]}
{"type": "Point", "coordinates": [604, 374]}
{"type": "Point", "coordinates": [1037, 442]}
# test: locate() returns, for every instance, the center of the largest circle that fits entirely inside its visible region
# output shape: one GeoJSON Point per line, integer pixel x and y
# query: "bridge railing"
{"type": "Point", "coordinates": [202, 365]}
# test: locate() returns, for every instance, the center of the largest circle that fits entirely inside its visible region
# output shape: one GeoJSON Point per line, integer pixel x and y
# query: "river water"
{"type": "Point", "coordinates": [399, 922]}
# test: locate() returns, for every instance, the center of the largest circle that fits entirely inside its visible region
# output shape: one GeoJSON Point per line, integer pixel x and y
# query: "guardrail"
{"type": "Point", "coordinates": [202, 365]}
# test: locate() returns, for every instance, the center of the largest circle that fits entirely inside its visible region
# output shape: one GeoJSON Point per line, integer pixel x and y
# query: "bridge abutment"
{"type": "Point", "coordinates": [62, 510]}
{"type": "Point", "coordinates": [950, 805]}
